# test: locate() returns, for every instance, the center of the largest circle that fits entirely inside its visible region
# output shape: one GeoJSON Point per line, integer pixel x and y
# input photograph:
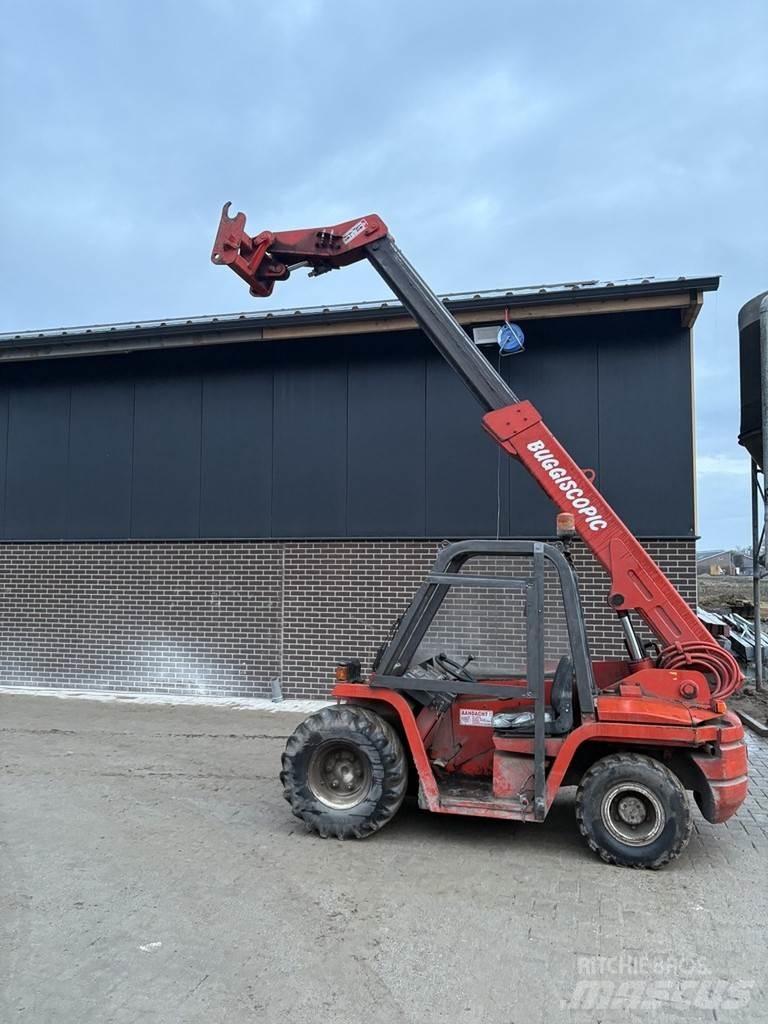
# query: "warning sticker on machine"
{"type": "Point", "coordinates": [476, 716]}
{"type": "Point", "coordinates": [354, 231]}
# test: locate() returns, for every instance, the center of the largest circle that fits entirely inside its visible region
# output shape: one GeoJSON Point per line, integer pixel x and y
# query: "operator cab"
{"type": "Point", "coordinates": [499, 620]}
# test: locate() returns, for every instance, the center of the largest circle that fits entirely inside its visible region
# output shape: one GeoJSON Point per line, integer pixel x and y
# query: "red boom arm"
{"type": "Point", "coordinates": [637, 583]}
{"type": "Point", "coordinates": [270, 257]}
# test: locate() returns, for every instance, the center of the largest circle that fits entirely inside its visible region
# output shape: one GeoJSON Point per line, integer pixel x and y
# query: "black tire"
{"type": "Point", "coordinates": [633, 811]}
{"type": "Point", "coordinates": [352, 748]}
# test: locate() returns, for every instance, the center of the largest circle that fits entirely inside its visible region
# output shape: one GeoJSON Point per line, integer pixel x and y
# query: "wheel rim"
{"type": "Point", "coordinates": [633, 814]}
{"type": "Point", "coordinates": [339, 774]}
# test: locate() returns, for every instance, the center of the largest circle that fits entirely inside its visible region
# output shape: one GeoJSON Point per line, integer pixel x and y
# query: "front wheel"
{"type": "Point", "coordinates": [633, 811]}
{"type": "Point", "coordinates": [344, 772]}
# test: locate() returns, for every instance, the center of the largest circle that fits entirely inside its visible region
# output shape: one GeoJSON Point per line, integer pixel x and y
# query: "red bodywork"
{"type": "Point", "coordinates": [708, 751]}
{"type": "Point", "coordinates": [674, 710]}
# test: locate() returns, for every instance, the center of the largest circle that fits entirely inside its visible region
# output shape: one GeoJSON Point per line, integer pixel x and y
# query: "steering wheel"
{"type": "Point", "coordinates": [453, 668]}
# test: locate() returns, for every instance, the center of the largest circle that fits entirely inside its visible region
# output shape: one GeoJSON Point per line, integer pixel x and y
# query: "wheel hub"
{"type": "Point", "coordinates": [633, 814]}
{"type": "Point", "coordinates": [631, 810]}
{"type": "Point", "coordinates": [339, 775]}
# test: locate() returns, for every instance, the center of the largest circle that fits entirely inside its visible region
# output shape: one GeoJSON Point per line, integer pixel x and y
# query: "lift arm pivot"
{"type": "Point", "coordinates": [637, 583]}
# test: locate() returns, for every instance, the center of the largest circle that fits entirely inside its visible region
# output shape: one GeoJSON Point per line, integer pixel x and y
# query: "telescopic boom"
{"type": "Point", "coordinates": [637, 583]}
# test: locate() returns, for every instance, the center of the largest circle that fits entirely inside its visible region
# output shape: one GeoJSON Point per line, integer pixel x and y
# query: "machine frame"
{"type": "Point", "coordinates": [661, 710]}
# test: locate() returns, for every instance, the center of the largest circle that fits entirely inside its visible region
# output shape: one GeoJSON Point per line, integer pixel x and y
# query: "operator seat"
{"type": "Point", "coordinates": [558, 717]}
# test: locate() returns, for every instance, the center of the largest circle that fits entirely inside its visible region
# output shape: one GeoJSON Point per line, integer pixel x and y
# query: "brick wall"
{"type": "Point", "coordinates": [225, 618]}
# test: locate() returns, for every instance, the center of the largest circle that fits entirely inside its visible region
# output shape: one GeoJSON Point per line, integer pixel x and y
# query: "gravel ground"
{"type": "Point", "coordinates": [151, 872]}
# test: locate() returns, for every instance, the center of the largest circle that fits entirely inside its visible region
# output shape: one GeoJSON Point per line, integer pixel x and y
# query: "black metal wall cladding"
{"type": "Point", "coordinates": [360, 436]}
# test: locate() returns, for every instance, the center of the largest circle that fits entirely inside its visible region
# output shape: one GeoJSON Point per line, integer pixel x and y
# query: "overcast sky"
{"type": "Point", "coordinates": [505, 143]}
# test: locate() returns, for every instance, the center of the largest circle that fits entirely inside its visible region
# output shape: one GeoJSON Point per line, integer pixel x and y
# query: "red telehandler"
{"type": "Point", "coordinates": [633, 735]}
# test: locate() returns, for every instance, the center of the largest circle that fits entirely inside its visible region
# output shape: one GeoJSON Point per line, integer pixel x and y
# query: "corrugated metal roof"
{"type": "Point", "coordinates": [529, 295]}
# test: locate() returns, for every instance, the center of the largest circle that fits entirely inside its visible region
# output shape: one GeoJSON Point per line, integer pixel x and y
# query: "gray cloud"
{"type": "Point", "coordinates": [504, 143]}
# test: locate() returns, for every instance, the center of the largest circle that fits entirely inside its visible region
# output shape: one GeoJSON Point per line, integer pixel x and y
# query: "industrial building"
{"type": "Point", "coordinates": [205, 506]}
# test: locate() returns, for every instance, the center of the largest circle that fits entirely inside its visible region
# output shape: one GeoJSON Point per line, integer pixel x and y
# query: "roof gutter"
{"type": "Point", "coordinates": [685, 294]}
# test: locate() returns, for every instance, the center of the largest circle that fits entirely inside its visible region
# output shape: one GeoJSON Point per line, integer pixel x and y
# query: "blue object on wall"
{"type": "Point", "coordinates": [511, 339]}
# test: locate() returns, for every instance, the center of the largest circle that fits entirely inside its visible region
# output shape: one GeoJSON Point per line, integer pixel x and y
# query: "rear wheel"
{"type": "Point", "coordinates": [344, 772]}
{"type": "Point", "coordinates": [633, 811]}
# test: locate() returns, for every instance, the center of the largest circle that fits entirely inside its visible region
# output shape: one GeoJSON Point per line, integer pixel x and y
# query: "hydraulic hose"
{"type": "Point", "coordinates": [713, 661]}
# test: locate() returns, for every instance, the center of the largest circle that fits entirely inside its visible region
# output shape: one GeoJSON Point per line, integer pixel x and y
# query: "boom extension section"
{"type": "Point", "coordinates": [637, 583]}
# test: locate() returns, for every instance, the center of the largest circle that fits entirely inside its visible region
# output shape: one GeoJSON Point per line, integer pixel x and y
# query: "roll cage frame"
{"type": "Point", "coordinates": [446, 573]}
{"type": "Point", "coordinates": [395, 659]}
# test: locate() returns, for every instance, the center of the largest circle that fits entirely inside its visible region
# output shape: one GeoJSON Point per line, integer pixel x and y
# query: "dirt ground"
{"type": "Point", "coordinates": [151, 872]}
{"type": "Point", "coordinates": [729, 593]}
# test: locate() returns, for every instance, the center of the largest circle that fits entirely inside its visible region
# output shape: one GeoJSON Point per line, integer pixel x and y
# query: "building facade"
{"type": "Point", "coordinates": [206, 506]}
